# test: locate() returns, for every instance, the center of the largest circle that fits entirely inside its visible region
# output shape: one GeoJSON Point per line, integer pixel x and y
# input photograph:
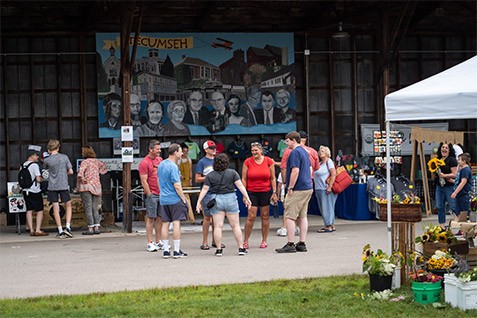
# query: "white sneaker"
{"type": "Point", "coordinates": [151, 247]}
{"type": "Point", "coordinates": [159, 245]}
{"type": "Point", "coordinates": [282, 232]}
{"type": "Point", "coordinates": [297, 232]}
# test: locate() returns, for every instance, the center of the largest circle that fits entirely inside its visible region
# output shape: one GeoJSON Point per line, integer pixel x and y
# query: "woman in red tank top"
{"type": "Point", "coordinates": [258, 176]}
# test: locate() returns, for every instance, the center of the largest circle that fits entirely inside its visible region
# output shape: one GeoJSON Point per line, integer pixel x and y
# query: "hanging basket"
{"type": "Point", "coordinates": [401, 212]}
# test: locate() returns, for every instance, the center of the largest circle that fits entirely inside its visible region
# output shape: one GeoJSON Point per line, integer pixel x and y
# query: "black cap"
{"type": "Point", "coordinates": [303, 134]}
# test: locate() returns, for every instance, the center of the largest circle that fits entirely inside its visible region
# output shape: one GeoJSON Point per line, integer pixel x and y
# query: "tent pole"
{"type": "Point", "coordinates": [388, 188]}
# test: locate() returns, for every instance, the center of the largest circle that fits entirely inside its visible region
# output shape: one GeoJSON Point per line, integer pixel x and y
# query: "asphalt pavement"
{"type": "Point", "coordinates": [117, 261]}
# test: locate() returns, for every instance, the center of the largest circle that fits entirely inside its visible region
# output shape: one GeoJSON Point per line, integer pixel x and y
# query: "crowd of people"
{"type": "Point", "coordinates": [302, 171]}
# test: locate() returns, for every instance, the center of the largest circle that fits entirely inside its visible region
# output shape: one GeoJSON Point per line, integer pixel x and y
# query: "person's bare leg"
{"type": "Point", "coordinates": [56, 214]}
{"type": "Point", "coordinates": [303, 226]}
{"type": "Point", "coordinates": [149, 227]}
{"type": "Point", "coordinates": [29, 219]}
{"type": "Point", "coordinates": [69, 212]}
{"type": "Point", "coordinates": [265, 217]}
{"type": "Point", "coordinates": [205, 229]}
{"type": "Point", "coordinates": [39, 220]}
{"type": "Point", "coordinates": [252, 215]}
{"type": "Point", "coordinates": [158, 229]}
{"type": "Point", "coordinates": [234, 222]}
{"type": "Point", "coordinates": [219, 224]}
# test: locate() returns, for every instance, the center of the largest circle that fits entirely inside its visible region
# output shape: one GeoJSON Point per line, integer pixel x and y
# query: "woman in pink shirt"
{"type": "Point", "coordinates": [89, 186]}
{"type": "Point", "coordinates": [258, 176]}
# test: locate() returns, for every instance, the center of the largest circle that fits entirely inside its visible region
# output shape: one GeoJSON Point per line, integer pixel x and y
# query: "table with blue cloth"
{"type": "Point", "coordinates": [352, 203]}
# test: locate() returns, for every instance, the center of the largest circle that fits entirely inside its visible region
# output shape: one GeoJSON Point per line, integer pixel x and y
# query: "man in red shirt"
{"type": "Point", "coordinates": [150, 184]}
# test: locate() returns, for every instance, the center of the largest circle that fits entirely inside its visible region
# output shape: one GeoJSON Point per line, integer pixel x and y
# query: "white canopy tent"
{"type": "Point", "coordinates": [451, 94]}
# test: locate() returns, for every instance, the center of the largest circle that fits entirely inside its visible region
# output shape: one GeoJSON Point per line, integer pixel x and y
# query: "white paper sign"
{"type": "Point", "coordinates": [127, 133]}
{"type": "Point", "coordinates": [127, 154]}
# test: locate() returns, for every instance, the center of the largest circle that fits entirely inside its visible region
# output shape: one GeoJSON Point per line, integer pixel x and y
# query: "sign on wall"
{"type": "Point", "coordinates": [368, 140]}
{"type": "Point", "coordinates": [191, 84]}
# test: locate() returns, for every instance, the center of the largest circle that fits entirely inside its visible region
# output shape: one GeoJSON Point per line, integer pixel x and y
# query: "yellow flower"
{"type": "Point", "coordinates": [442, 237]}
{"type": "Point", "coordinates": [434, 164]}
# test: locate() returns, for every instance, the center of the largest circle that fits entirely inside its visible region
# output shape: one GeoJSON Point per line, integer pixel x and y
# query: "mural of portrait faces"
{"type": "Point", "coordinates": [217, 101]}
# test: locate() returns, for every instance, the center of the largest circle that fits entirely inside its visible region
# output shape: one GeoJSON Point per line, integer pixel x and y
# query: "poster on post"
{"type": "Point", "coordinates": [197, 84]}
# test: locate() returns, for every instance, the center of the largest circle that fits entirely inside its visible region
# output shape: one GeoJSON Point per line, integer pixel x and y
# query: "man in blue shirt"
{"type": "Point", "coordinates": [173, 202]}
{"type": "Point", "coordinates": [300, 188]}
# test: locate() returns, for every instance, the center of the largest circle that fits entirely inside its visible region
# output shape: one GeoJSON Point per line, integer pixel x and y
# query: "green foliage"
{"type": "Point", "coordinates": [336, 296]}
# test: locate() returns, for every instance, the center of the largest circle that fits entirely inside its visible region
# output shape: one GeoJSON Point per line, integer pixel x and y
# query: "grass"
{"type": "Point", "coordinates": [338, 296]}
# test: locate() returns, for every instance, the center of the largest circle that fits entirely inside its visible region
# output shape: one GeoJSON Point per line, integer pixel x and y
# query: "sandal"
{"type": "Point", "coordinates": [32, 233]}
{"type": "Point", "coordinates": [88, 233]}
{"type": "Point", "coordinates": [205, 247]}
{"type": "Point", "coordinates": [264, 245]}
{"type": "Point", "coordinates": [245, 245]}
{"type": "Point", "coordinates": [325, 230]}
{"type": "Point", "coordinates": [41, 233]}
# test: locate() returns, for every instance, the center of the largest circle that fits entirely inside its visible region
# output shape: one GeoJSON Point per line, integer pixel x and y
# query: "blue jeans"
{"type": "Point", "coordinates": [326, 203]}
{"type": "Point", "coordinates": [443, 195]}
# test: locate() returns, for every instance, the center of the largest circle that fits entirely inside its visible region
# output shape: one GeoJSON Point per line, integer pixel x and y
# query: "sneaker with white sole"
{"type": "Point", "coordinates": [151, 247]}
{"type": "Point", "coordinates": [61, 235]}
{"type": "Point", "coordinates": [180, 254]}
{"type": "Point", "coordinates": [218, 252]}
{"type": "Point", "coordinates": [288, 248]}
{"type": "Point", "coordinates": [68, 233]}
{"type": "Point", "coordinates": [166, 254]}
{"type": "Point", "coordinates": [242, 251]}
{"type": "Point", "coordinates": [159, 245]}
{"type": "Point", "coordinates": [282, 232]}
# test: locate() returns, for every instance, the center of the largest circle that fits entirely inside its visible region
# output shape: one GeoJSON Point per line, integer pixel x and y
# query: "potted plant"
{"type": "Point", "coordinates": [436, 238]}
{"type": "Point", "coordinates": [426, 286]}
{"type": "Point", "coordinates": [380, 267]}
{"type": "Point", "coordinates": [441, 262]}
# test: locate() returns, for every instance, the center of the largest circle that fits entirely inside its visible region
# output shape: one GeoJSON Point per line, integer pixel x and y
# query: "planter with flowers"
{"type": "Point", "coordinates": [405, 208]}
{"type": "Point", "coordinates": [461, 287]}
{"type": "Point", "coordinates": [441, 263]}
{"type": "Point", "coordinates": [436, 238]}
{"type": "Point", "coordinates": [380, 267]}
{"type": "Point", "coordinates": [426, 286]}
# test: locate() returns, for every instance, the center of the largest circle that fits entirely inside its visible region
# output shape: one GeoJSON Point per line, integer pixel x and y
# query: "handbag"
{"type": "Point", "coordinates": [342, 180]}
{"type": "Point", "coordinates": [212, 202]}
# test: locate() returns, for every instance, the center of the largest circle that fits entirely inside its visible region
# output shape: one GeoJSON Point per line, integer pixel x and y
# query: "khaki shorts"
{"type": "Point", "coordinates": [296, 205]}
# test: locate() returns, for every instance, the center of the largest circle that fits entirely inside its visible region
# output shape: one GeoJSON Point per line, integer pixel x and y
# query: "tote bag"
{"type": "Point", "coordinates": [342, 180]}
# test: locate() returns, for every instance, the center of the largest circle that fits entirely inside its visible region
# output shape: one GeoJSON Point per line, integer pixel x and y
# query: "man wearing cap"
{"type": "Point", "coordinates": [203, 168]}
{"type": "Point", "coordinates": [33, 198]}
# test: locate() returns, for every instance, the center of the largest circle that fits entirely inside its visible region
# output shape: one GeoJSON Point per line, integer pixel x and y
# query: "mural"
{"type": "Point", "coordinates": [192, 84]}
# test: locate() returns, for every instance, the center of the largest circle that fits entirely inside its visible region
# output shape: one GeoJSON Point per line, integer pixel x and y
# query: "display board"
{"type": "Point", "coordinates": [367, 137]}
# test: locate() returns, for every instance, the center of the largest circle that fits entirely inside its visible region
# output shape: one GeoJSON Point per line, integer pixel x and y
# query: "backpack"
{"type": "Point", "coordinates": [24, 177]}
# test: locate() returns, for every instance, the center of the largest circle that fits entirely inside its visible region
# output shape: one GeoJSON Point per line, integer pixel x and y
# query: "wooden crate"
{"type": "Point", "coordinates": [78, 217]}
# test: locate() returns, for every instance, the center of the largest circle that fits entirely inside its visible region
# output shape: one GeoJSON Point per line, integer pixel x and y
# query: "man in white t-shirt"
{"type": "Point", "coordinates": [32, 195]}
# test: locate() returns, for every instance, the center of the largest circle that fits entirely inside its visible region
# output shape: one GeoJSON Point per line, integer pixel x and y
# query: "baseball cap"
{"type": "Point", "coordinates": [209, 144]}
{"type": "Point", "coordinates": [34, 150]}
{"type": "Point", "coordinates": [303, 134]}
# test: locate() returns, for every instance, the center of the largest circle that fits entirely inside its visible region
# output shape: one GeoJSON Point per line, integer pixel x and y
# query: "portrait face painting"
{"type": "Point", "coordinates": [234, 104]}
{"type": "Point", "coordinates": [115, 106]}
{"type": "Point", "coordinates": [154, 112]}
{"type": "Point", "coordinates": [178, 112]}
{"type": "Point", "coordinates": [195, 101]}
{"type": "Point", "coordinates": [267, 102]}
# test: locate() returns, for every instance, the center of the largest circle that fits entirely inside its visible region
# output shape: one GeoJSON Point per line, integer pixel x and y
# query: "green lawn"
{"type": "Point", "coordinates": [339, 296]}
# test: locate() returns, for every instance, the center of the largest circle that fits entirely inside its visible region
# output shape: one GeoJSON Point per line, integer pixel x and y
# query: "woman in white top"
{"type": "Point", "coordinates": [324, 196]}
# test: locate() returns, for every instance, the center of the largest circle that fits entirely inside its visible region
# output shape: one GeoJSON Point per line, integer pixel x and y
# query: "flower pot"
{"type": "Point", "coordinates": [426, 293]}
{"type": "Point", "coordinates": [380, 283]}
